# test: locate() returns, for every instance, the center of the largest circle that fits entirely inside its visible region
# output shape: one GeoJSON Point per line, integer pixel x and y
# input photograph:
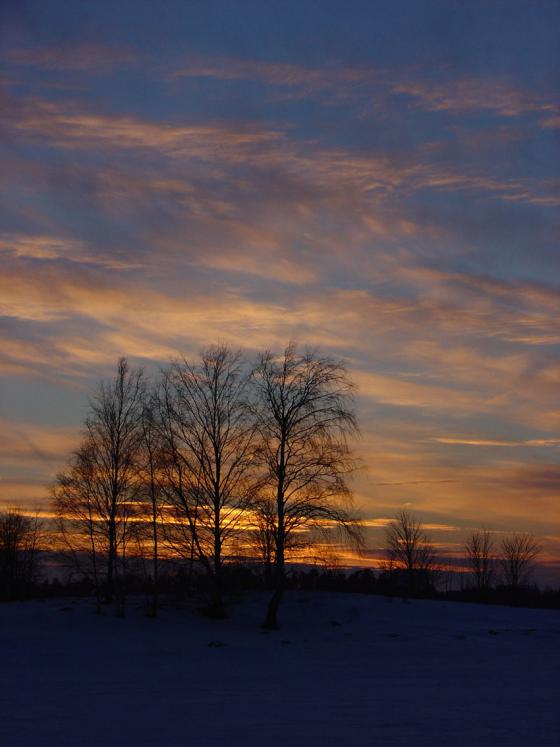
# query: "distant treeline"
{"type": "Point", "coordinates": [178, 580]}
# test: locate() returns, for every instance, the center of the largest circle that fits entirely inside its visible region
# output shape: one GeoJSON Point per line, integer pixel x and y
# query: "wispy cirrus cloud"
{"type": "Point", "coordinates": [460, 94]}
{"type": "Point", "coordinates": [30, 455]}
{"type": "Point", "coordinates": [485, 442]}
{"type": "Point", "coordinates": [69, 126]}
{"type": "Point", "coordinates": [44, 247]}
{"type": "Point", "coordinates": [450, 92]}
{"type": "Point", "coordinates": [374, 175]}
{"type": "Point", "coordinates": [552, 122]}
{"type": "Point", "coordinates": [336, 84]}
{"type": "Point", "coordinates": [84, 57]}
{"type": "Point", "coordinates": [44, 444]}
{"type": "Point", "coordinates": [278, 74]}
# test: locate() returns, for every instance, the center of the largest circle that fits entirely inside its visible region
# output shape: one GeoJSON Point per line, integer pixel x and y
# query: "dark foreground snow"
{"type": "Point", "coordinates": [344, 670]}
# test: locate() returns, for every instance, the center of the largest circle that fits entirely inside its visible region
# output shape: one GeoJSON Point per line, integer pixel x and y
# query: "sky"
{"type": "Point", "coordinates": [380, 180]}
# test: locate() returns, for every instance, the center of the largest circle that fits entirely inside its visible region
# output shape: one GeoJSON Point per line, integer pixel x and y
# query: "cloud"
{"type": "Point", "coordinates": [461, 94]}
{"type": "Point", "coordinates": [456, 93]}
{"type": "Point", "coordinates": [43, 247]}
{"type": "Point", "coordinates": [277, 74]}
{"type": "Point", "coordinates": [426, 367]}
{"type": "Point", "coordinates": [371, 176]}
{"type": "Point", "coordinates": [94, 58]}
{"type": "Point", "coordinates": [30, 456]}
{"type": "Point", "coordinates": [485, 442]}
{"type": "Point", "coordinates": [332, 84]}
{"type": "Point", "coordinates": [21, 441]}
{"type": "Point", "coordinates": [552, 122]}
{"type": "Point", "coordinates": [393, 390]}
{"type": "Point", "coordinates": [68, 126]}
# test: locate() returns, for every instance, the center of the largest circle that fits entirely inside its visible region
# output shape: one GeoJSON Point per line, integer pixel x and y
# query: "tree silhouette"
{"type": "Point", "coordinates": [150, 474]}
{"type": "Point", "coordinates": [481, 557]}
{"type": "Point", "coordinates": [518, 553]}
{"type": "Point", "coordinates": [96, 497]}
{"type": "Point", "coordinates": [304, 413]}
{"type": "Point", "coordinates": [410, 549]}
{"type": "Point", "coordinates": [208, 436]}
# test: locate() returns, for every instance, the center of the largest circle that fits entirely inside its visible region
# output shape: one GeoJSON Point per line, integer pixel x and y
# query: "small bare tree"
{"type": "Point", "coordinates": [99, 490]}
{"type": "Point", "coordinates": [481, 558]}
{"type": "Point", "coordinates": [518, 553]}
{"type": "Point", "coordinates": [304, 412]}
{"type": "Point", "coordinates": [19, 552]}
{"type": "Point", "coordinates": [408, 548]}
{"type": "Point", "coordinates": [209, 468]}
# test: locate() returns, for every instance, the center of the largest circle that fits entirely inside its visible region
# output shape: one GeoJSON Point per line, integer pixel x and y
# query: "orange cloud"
{"type": "Point", "coordinates": [462, 94]}
{"type": "Point", "coordinates": [374, 176]}
{"type": "Point", "coordinates": [30, 456]}
{"type": "Point", "coordinates": [537, 442]}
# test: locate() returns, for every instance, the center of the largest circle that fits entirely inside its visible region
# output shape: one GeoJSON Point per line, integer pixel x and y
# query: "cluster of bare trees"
{"type": "Point", "coordinates": [216, 455]}
{"type": "Point", "coordinates": [221, 458]}
{"type": "Point", "coordinates": [411, 552]}
{"type": "Point", "coordinates": [512, 560]}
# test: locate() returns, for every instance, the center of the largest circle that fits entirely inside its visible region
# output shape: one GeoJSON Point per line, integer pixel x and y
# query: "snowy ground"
{"type": "Point", "coordinates": [344, 670]}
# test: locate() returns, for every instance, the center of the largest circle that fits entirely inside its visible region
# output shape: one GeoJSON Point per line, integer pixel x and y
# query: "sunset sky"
{"type": "Point", "coordinates": [379, 179]}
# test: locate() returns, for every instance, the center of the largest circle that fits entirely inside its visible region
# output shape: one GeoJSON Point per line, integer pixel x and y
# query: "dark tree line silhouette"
{"type": "Point", "coordinates": [513, 560]}
{"type": "Point", "coordinates": [413, 564]}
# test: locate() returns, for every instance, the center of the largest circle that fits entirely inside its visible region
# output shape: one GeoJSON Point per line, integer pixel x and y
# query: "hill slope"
{"type": "Point", "coordinates": [344, 670]}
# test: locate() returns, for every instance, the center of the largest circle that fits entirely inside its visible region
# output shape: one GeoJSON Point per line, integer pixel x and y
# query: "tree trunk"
{"type": "Point", "coordinates": [268, 575]}
{"type": "Point", "coordinates": [411, 581]}
{"type": "Point", "coordinates": [155, 597]}
{"type": "Point", "coordinates": [217, 607]}
{"type": "Point", "coordinates": [109, 589]}
{"type": "Point", "coordinates": [271, 620]}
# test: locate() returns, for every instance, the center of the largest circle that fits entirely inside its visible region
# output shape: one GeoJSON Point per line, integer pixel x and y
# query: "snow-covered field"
{"type": "Point", "coordinates": [343, 670]}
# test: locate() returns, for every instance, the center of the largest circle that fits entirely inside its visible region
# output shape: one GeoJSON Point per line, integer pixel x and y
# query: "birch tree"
{"type": "Point", "coordinates": [304, 412]}
{"type": "Point", "coordinates": [209, 442]}
{"type": "Point", "coordinates": [99, 490]}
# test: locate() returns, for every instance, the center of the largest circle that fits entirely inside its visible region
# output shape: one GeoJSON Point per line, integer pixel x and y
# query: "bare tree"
{"type": "Point", "coordinates": [209, 440]}
{"type": "Point", "coordinates": [304, 412]}
{"type": "Point", "coordinates": [481, 557]}
{"type": "Point", "coordinates": [408, 548]}
{"type": "Point", "coordinates": [19, 552]}
{"type": "Point", "coordinates": [518, 553]}
{"type": "Point", "coordinates": [99, 491]}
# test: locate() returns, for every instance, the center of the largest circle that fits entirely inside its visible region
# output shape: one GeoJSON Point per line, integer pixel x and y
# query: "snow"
{"type": "Point", "coordinates": [343, 670]}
